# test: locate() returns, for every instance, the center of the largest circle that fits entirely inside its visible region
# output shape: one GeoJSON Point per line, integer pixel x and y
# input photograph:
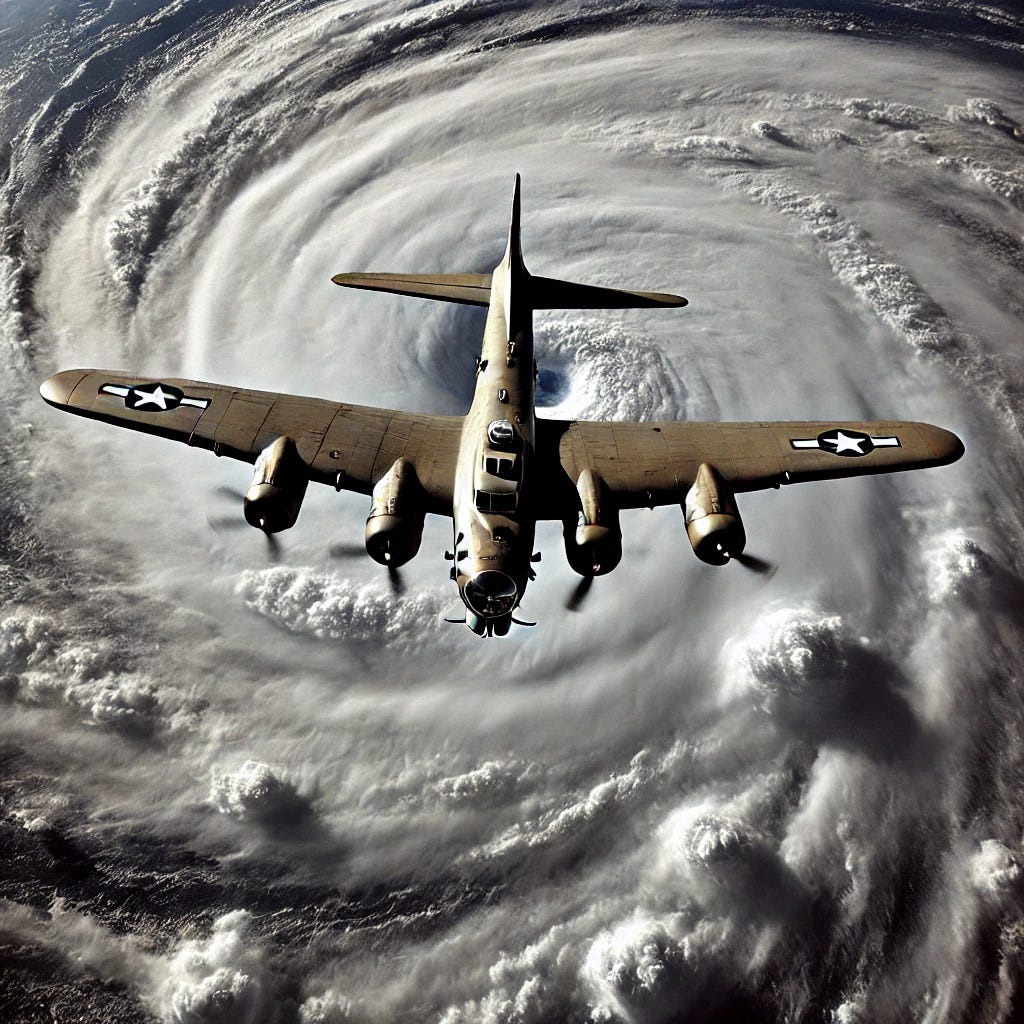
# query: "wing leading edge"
{"type": "Point", "coordinates": [647, 464]}
{"type": "Point", "coordinates": [347, 446]}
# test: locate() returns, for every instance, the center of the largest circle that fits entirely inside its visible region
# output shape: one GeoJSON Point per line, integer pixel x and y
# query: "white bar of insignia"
{"type": "Point", "coordinates": [811, 442]}
{"type": "Point", "coordinates": [199, 403]}
{"type": "Point", "coordinates": [114, 389]}
{"type": "Point", "coordinates": [886, 442]}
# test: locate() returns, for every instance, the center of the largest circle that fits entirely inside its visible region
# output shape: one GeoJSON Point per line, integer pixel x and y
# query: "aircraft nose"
{"type": "Point", "coordinates": [491, 593]}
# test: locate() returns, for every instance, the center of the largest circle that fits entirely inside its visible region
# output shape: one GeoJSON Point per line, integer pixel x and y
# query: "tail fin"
{"type": "Point", "coordinates": [548, 293]}
{"type": "Point", "coordinates": [514, 249]}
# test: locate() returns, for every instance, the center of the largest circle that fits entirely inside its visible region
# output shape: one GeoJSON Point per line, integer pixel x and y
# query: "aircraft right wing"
{"type": "Point", "coordinates": [348, 446]}
{"type": "Point", "coordinates": [648, 464]}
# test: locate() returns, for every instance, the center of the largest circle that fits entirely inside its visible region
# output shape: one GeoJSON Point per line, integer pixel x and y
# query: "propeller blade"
{"type": "Point", "coordinates": [226, 524]}
{"type": "Point", "coordinates": [755, 564]}
{"type": "Point", "coordinates": [397, 583]}
{"type": "Point", "coordinates": [230, 493]}
{"type": "Point", "coordinates": [346, 551]}
{"type": "Point", "coordinates": [221, 523]}
{"type": "Point", "coordinates": [579, 595]}
{"type": "Point", "coordinates": [273, 547]}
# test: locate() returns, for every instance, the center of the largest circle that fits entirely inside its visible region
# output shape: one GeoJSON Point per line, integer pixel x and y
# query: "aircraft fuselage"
{"type": "Point", "coordinates": [494, 520]}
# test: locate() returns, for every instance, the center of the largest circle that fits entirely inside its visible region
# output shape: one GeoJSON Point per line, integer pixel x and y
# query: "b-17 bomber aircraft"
{"type": "Point", "coordinates": [499, 469]}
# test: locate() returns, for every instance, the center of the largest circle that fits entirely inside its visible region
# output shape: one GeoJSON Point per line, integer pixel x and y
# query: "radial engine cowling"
{"type": "Point", "coordinates": [713, 522]}
{"type": "Point", "coordinates": [594, 547]}
{"type": "Point", "coordinates": [278, 486]}
{"type": "Point", "coordinates": [394, 528]}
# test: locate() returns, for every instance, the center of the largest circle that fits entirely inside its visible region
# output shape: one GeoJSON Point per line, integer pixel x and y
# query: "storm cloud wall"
{"type": "Point", "coordinates": [251, 791]}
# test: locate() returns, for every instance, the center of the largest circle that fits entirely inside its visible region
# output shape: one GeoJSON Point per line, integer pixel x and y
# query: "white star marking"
{"type": "Point", "coordinates": [845, 443]}
{"type": "Point", "coordinates": [157, 397]}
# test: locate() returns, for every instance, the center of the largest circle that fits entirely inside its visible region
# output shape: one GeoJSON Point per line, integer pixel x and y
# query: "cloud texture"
{"type": "Point", "coordinates": [245, 792]}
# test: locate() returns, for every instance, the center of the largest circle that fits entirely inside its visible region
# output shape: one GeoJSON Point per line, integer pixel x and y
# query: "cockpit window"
{"type": "Point", "coordinates": [494, 501]}
{"type": "Point", "coordinates": [503, 466]}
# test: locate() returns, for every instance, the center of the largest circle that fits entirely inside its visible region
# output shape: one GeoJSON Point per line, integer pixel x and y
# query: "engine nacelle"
{"type": "Point", "coordinates": [394, 527]}
{"type": "Point", "coordinates": [595, 546]}
{"type": "Point", "coordinates": [713, 522]}
{"type": "Point", "coordinates": [274, 497]}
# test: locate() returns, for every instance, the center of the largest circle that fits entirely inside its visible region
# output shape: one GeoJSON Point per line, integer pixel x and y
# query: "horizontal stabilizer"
{"type": "Point", "coordinates": [475, 290]}
{"type": "Point", "coordinates": [469, 289]}
{"type": "Point", "coordinates": [547, 293]}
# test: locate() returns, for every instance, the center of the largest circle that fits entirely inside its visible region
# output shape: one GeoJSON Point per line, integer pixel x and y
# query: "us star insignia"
{"type": "Point", "coordinates": [845, 441]}
{"type": "Point", "coordinates": [153, 397]}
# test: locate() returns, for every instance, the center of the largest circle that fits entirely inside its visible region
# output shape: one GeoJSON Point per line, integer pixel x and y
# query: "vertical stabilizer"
{"type": "Point", "coordinates": [514, 250]}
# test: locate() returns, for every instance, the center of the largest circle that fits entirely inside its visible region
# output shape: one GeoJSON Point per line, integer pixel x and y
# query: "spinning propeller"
{"type": "Point", "coordinates": [755, 564]}
{"type": "Point", "coordinates": [576, 599]}
{"type": "Point", "coordinates": [346, 551]}
{"type": "Point", "coordinates": [751, 562]}
{"type": "Point", "coordinates": [222, 524]}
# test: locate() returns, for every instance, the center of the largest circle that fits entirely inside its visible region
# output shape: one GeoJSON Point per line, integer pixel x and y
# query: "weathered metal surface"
{"type": "Point", "coordinates": [656, 463]}
{"type": "Point", "coordinates": [347, 446]}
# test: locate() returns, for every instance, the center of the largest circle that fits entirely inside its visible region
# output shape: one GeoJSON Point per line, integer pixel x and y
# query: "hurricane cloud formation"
{"type": "Point", "coordinates": [249, 792]}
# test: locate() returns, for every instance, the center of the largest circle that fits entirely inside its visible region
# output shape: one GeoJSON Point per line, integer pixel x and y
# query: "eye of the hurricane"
{"type": "Point", "coordinates": [491, 593]}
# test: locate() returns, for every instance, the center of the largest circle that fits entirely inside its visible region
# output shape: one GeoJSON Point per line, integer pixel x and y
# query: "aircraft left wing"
{"type": "Point", "coordinates": [648, 464]}
{"type": "Point", "coordinates": [348, 446]}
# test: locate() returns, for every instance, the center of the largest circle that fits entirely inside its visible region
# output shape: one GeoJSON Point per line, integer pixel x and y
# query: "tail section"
{"type": "Point", "coordinates": [469, 289]}
{"type": "Point", "coordinates": [475, 290]}
{"type": "Point", "coordinates": [539, 292]}
{"type": "Point", "coordinates": [547, 293]}
{"type": "Point", "coordinates": [513, 257]}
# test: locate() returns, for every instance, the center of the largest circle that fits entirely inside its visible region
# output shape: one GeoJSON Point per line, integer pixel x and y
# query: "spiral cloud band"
{"type": "Point", "coordinates": [244, 792]}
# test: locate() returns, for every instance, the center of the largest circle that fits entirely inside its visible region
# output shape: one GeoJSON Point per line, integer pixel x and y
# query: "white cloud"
{"type": "Point", "coordinates": [330, 606]}
{"type": "Point", "coordinates": [222, 978]}
{"type": "Point", "coordinates": [955, 562]}
{"type": "Point", "coordinates": [611, 819]}
{"type": "Point", "coordinates": [255, 790]}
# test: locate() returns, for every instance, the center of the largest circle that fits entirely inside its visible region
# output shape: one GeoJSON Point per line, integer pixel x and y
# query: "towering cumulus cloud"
{"type": "Point", "coordinates": [246, 792]}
